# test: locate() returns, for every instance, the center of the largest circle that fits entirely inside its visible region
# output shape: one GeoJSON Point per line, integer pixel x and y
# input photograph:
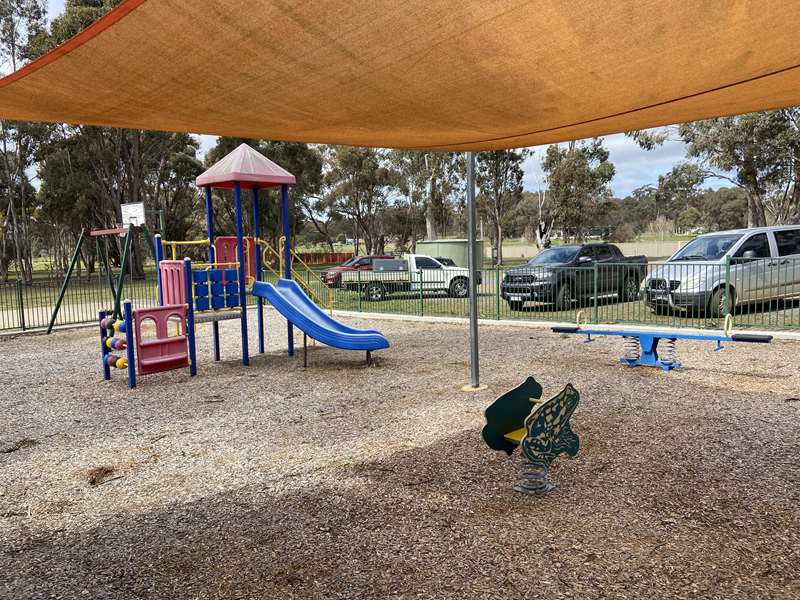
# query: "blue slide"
{"type": "Point", "coordinates": [293, 303]}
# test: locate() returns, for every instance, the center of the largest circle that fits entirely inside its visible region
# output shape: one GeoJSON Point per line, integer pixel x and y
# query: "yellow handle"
{"type": "Point", "coordinates": [728, 326]}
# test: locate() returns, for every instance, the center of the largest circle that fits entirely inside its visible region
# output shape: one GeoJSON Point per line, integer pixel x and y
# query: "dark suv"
{"type": "Point", "coordinates": [563, 274]}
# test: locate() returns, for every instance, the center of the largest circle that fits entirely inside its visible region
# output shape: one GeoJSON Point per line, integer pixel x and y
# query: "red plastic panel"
{"type": "Point", "coordinates": [226, 252]}
{"type": "Point", "coordinates": [161, 353]}
{"type": "Point", "coordinates": [173, 284]}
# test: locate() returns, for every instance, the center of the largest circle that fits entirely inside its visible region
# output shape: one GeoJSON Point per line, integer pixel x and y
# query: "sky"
{"type": "Point", "coordinates": [634, 167]}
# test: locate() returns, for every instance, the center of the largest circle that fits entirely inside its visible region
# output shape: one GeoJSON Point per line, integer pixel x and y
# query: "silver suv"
{"type": "Point", "coordinates": [753, 265]}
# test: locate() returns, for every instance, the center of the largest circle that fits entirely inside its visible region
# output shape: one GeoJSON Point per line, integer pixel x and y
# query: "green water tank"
{"type": "Point", "coordinates": [457, 250]}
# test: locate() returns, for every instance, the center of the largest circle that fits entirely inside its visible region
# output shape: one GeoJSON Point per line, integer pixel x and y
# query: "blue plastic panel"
{"type": "Point", "coordinates": [201, 303]}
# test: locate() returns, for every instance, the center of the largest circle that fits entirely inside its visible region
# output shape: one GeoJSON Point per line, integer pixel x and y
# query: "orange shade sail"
{"type": "Point", "coordinates": [477, 74]}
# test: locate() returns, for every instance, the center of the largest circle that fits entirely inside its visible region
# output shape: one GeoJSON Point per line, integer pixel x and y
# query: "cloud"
{"type": "Point", "coordinates": [634, 167]}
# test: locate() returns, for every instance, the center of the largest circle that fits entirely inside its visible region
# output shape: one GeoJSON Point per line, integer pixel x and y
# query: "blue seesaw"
{"type": "Point", "coordinates": [641, 347]}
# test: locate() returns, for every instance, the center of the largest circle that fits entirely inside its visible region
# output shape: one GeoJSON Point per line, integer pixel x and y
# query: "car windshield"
{"type": "Point", "coordinates": [708, 247]}
{"type": "Point", "coordinates": [350, 261]}
{"type": "Point", "coordinates": [559, 255]}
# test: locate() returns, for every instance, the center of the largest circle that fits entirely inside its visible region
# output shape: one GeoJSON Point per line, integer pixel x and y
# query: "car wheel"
{"type": "Point", "coordinates": [718, 301]}
{"type": "Point", "coordinates": [459, 288]}
{"type": "Point", "coordinates": [563, 297]}
{"type": "Point", "coordinates": [629, 290]}
{"type": "Point", "coordinates": [515, 305]}
{"type": "Point", "coordinates": [375, 292]}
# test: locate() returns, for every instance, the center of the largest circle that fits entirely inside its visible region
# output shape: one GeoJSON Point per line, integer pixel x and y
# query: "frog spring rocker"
{"type": "Point", "coordinates": [642, 347]}
{"type": "Point", "coordinates": [541, 427]}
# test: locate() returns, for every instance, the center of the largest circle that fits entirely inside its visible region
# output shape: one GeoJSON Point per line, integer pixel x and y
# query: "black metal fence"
{"type": "Point", "coordinates": [763, 294]}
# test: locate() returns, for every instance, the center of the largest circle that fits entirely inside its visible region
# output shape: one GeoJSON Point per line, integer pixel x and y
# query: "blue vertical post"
{"type": "Point", "coordinates": [287, 255]}
{"type": "Point", "coordinates": [260, 300]}
{"type": "Point", "coordinates": [103, 348]}
{"type": "Point", "coordinates": [187, 277]}
{"type": "Point", "coordinates": [159, 249]}
{"type": "Point", "coordinates": [129, 343]}
{"type": "Point", "coordinates": [210, 223]}
{"type": "Point", "coordinates": [237, 196]}
{"type": "Point", "coordinates": [212, 257]}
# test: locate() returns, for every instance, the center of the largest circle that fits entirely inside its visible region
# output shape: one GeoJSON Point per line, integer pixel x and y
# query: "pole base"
{"type": "Point", "coordinates": [470, 388]}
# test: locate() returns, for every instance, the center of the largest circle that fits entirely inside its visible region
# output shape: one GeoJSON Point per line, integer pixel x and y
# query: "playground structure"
{"type": "Point", "coordinates": [101, 237]}
{"type": "Point", "coordinates": [542, 428]}
{"type": "Point", "coordinates": [219, 287]}
{"type": "Point", "coordinates": [641, 347]}
{"type": "Point", "coordinates": [197, 292]}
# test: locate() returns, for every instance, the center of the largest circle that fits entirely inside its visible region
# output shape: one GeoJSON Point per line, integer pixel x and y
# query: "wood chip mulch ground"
{"type": "Point", "coordinates": [343, 481]}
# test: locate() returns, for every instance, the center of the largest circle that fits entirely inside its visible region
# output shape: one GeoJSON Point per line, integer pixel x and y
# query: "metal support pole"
{"type": "Point", "coordinates": [159, 250]}
{"type": "Point", "coordinates": [187, 277]}
{"type": "Point", "coordinates": [237, 196]}
{"type": "Point", "coordinates": [474, 360]}
{"type": "Point", "coordinates": [129, 343]}
{"type": "Point", "coordinates": [287, 256]}
{"type": "Point", "coordinates": [305, 350]}
{"type": "Point", "coordinates": [259, 299]}
{"type": "Point", "coordinates": [64, 285]}
{"type": "Point", "coordinates": [212, 257]}
{"type": "Point", "coordinates": [210, 224]}
{"type": "Point", "coordinates": [21, 304]}
{"type": "Point", "coordinates": [596, 290]}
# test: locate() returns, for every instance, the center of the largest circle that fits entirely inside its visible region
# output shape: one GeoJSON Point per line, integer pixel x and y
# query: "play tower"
{"type": "Point", "coordinates": [219, 287]}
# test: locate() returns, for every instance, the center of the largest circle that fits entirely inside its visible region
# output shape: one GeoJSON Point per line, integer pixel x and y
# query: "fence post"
{"type": "Point", "coordinates": [421, 299]}
{"type": "Point", "coordinates": [726, 297]}
{"type": "Point", "coordinates": [359, 291]}
{"type": "Point", "coordinates": [497, 291]}
{"type": "Point", "coordinates": [595, 275]}
{"type": "Point", "coordinates": [20, 304]}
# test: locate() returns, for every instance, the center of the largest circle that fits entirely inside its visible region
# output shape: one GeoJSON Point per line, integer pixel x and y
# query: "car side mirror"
{"type": "Point", "coordinates": [584, 259]}
{"type": "Point", "coordinates": [749, 255]}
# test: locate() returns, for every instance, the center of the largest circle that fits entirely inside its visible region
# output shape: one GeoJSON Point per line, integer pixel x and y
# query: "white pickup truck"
{"type": "Point", "coordinates": [410, 273]}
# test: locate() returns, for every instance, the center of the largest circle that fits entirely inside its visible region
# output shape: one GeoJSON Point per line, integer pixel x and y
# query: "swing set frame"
{"type": "Point", "coordinates": [115, 286]}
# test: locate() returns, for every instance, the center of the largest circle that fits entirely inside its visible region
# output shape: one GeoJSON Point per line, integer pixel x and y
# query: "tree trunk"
{"type": "Point", "coordinates": [755, 211]}
{"type": "Point", "coordinates": [430, 227]}
{"type": "Point", "coordinates": [499, 241]}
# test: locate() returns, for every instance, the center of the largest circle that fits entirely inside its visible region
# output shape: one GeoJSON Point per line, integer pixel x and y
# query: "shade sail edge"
{"type": "Point", "coordinates": [345, 80]}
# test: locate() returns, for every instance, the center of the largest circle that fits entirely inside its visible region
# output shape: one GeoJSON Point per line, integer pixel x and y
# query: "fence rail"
{"type": "Point", "coordinates": [762, 293]}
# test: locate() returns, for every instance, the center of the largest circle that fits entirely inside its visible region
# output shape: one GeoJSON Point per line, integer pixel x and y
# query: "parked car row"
{"type": "Point", "coordinates": [712, 274]}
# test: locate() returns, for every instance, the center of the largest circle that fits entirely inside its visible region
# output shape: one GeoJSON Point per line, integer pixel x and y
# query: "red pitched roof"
{"type": "Point", "coordinates": [247, 166]}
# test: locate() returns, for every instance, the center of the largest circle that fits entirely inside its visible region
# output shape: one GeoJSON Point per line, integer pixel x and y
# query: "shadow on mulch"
{"type": "Point", "coordinates": [442, 522]}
